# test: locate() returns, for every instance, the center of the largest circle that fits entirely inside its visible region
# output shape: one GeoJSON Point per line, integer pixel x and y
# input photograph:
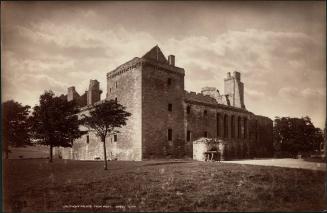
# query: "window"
{"type": "Point", "coordinates": [116, 100]}
{"type": "Point", "coordinates": [188, 136]}
{"type": "Point", "coordinates": [226, 126]}
{"type": "Point", "coordinates": [170, 107]}
{"type": "Point", "coordinates": [87, 139]}
{"type": "Point", "coordinates": [239, 129]}
{"type": "Point", "coordinates": [205, 112]}
{"type": "Point", "coordinates": [169, 81]}
{"type": "Point", "coordinates": [116, 84]}
{"type": "Point", "coordinates": [188, 109]}
{"type": "Point", "coordinates": [218, 124]}
{"type": "Point", "coordinates": [170, 134]}
{"type": "Point", "coordinates": [245, 127]}
{"type": "Point", "coordinates": [232, 126]}
{"type": "Point", "coordinates": [115, 138]}
{"type": "Point", "coordinates": [205, 134]}
{"type": "Point", "coordinates": [109, 90]}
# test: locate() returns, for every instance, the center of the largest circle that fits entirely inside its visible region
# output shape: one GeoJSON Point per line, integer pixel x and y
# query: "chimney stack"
{"type": "Point", "coordinates": [237, 75]}
{"type": "Point", "coordinates": [171, 60]}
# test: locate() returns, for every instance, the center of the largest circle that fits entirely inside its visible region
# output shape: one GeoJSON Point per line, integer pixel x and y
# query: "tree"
{"type": "Point", "coordinates": [104, 119]}
{"type": "Point", "coordinates": [15, 125]}
{"type": "Point", "coordinates": [296, 135]}
{"type": "Point", "coordinates": [55, 122]}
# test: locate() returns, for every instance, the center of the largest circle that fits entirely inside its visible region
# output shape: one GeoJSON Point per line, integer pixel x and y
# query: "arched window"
{"type": "Point", "coordinates": [226, 126]}
{"type": "Point", "coordinates": [188, 109]}
{"type": "Point", "coordinates": [218, 124]}
{"type": "Point", "coordinates": [239, 129]}
{"type": "Point", "coordinates": [232, 124]}
{"type": "Point", "coordinates": [245, 127]}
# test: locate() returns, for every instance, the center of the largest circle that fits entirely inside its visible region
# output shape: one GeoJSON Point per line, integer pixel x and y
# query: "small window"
{"type": "Point", "coordinates": [169, 81]}
{"type": "Point", "coordinates": [116, 84]}
{"type": "Point", "coordinates": [170, 134]}
{"type": "Point", "coordinates": [110, 90]}
{"type": "Point", "coordinates": [205, 112]}
{"type": "Point", "coordinates": [115, 138]}
{"type": "Point", "coordinates": [188, 136]}
{"type": "Point", "coordinates": [188, 109]}
{"type": "Point", "coordinates": [87, 139]}
{"type": "Point", "coordinates": [170, 107]}
{"type": "Point", "coordinates": [116, 100]}
{"type": "Point", "coordinates": [205, 134]}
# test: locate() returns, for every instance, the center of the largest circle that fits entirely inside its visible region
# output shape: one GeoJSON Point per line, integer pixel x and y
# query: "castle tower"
{"type": "Point", "coordinates": [234, 88]}
{"type": "Point", "coordinates": [94, 92]}
{"type": "Point", "coordinates": [162, 104]}
{"type": "Point", "coordinates": [72, 94]}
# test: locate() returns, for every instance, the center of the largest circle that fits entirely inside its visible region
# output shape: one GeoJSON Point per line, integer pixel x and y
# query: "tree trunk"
{"type": "Point", "coordinates": [50, 159]}
{"type": "Point", "coordinates": [104, 153]}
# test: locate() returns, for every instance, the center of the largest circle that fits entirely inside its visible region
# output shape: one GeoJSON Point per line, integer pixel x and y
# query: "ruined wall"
{"type": "Point", "coordinates": [94, 92]}
{"type": "Point", "coordinates": [234, 88]}
{"type": "Point", "coordinates": [157, 94]}
{"type": "Point", "coordinates": [203, 145]}
{"type": "Point", "coordinates": [261, 134]}
{"type": "Point", "coordinates": [217, 123]}
{"type": "Point", "coordinates": [214, 93]}
{"type": "Point", "coordinates": [89, 146]}
{"type": "Point", "coordinates": [146, 86]}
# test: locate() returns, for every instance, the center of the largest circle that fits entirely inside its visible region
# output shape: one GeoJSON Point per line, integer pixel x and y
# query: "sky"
{"type": "Point", "coordinates": [278, 47]}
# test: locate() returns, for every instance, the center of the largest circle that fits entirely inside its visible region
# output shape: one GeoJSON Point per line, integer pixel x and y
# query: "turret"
{"type": "Point", "coordinates": [72, 94]}
{"type": "Point", "coordinates": [94, 92]}
{"type": "Point", "coordinates": [234, 88]}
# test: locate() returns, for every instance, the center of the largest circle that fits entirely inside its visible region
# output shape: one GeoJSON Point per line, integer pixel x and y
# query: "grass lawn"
{"type": "Point", "coordinates": [66, 185]}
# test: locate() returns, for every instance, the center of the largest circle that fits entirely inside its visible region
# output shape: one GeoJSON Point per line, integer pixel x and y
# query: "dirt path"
{"type": "Point", "coordinates": [286, 162]}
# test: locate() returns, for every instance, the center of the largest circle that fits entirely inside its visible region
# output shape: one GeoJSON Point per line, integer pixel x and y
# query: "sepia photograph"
{"type": "Point", "coordinates": [163, 106]}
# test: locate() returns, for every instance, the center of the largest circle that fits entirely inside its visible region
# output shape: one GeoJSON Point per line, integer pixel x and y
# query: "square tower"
{"type": "Point", "coordinates": [152, 89]}
{"type": "Point", "coordinates": [234, 88]}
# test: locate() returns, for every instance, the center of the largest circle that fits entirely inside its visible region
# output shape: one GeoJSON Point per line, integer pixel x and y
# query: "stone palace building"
{"type": "Point", "coordinates": [166, 119]}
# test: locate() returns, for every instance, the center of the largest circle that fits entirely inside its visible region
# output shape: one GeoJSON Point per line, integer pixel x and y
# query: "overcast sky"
{"type": "Point", "coordinates": [279, 48]}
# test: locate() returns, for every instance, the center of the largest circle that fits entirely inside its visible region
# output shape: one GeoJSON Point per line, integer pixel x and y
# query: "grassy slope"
{"type": "Point", "coordinates": [36, 185]}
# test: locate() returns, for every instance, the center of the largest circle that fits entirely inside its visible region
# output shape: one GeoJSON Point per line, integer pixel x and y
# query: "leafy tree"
{"type": "Point", "coordinates": [296, 135]}
{"type": "Point", "coordinates": [103, 120]}
{"type": "Point", "coordinates": [16, 125]}
{"type": "Point", "coordinates": [55, 122]}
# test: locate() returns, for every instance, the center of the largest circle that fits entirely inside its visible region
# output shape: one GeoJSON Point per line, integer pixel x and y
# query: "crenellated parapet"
{"type": "Point", "coordinates": [144, 62]}
{"type": "Point", "coordinates": [128, 66]}
{"type": "Point", "coordinates": [153, 58]}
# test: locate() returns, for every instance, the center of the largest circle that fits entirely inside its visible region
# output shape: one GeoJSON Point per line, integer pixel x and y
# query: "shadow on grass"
{"type": "Point", "coordinates": [165, 163]}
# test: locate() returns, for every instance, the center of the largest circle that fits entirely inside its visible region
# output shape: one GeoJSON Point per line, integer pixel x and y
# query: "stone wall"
{"type": "Point", "coordinates": [125, 87]}
{"type": "Point", "coordinates": [158, 91]}
{"type": "Point", "coordinates": [203, 145]}
{"type": "Point", "coordinates": [261, 137]}
{"type": "Point", "coordinates": [146, 86]}
{"type": "Point", "coordinates": [234, 88]}
{"type": "Point", "coordinates": [217, 121]}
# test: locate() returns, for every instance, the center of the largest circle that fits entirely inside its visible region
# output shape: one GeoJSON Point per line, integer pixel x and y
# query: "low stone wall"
{"type": "Point", "coordinates": [203, 145]}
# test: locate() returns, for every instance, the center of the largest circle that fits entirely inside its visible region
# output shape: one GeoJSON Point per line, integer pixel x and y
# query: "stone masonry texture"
{"type": "Point", "coordinates": [152, 89]}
